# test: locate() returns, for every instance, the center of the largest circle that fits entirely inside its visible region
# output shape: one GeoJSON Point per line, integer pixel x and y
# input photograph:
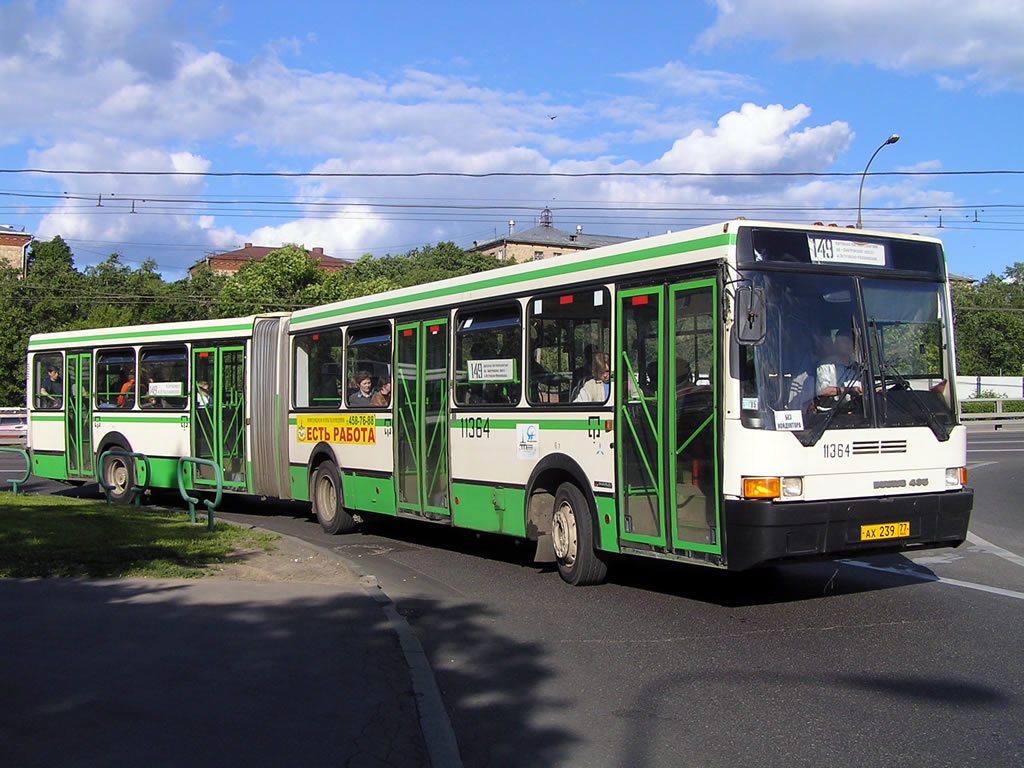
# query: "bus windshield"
{"type": "Point", "coordinates": [845, 352]}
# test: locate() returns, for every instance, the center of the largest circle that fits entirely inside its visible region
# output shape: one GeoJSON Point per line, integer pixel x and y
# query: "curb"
{"type": "Point", "coordinates": [435, 725]}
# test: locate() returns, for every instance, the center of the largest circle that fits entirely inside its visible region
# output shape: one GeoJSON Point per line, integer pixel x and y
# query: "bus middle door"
{"type": "Point", "coordinates": [421, 419]}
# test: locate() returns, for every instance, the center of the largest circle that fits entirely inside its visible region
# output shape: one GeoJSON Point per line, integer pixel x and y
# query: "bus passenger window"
{"type": "Point", "coordinates": [368, 357]}
{"type": "Point", "coordinates": [115, 378]}
{"type": "Point", "coordinates": [488, 349]}
{"type": "Point", "coordinates": [316, 372]}
{"type": "Point", "coordinates": [163, 377]}
{"type": "Point", "coordinates": [48, 381]}
{"type": "Point", "coordinates": [567, 333]}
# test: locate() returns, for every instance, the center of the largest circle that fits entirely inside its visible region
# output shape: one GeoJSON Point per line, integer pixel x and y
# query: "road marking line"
{"type": "Point", "coordinates": [995, 450]}
{"type": "Point", "coordinates": [976, 464]}
{"type": "Point", "coordinates": [995, 549]}
{"type": "Point", "coordinates": [941, 579]}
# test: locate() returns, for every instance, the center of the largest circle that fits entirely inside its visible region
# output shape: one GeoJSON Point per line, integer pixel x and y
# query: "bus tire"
{"type": "Point", "coordinates": [119, 474]}
{"type": "Point", "coordinates": [327, 501]}
{"type": "Point", "coordinates": [572, 534]}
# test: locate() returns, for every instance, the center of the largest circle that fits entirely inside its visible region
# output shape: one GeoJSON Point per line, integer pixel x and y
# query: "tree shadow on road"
{"type": "Point", "coordinates": [112, 673]}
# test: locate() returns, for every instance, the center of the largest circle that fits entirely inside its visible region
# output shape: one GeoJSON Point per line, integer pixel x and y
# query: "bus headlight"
{"type": "Point", "coordinates": [956, 476]}
{"type": "Point", "coordinates": [792, 487]}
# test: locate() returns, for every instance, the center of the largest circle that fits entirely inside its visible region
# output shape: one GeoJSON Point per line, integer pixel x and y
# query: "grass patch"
{"type": "Point", "coordinates": [54, 536]}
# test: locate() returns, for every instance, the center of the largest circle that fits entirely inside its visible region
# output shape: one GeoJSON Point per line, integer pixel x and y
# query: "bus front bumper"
{"type": "Point", "coordinates": [762, 532]}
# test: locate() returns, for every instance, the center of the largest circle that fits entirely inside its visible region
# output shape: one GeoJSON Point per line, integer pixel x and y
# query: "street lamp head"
{"type": "Point", "coordinates": [893, 138]}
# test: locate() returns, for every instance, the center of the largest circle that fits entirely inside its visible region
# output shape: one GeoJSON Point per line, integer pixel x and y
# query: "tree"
{"type": "Point", "coordinates": [989, 323]}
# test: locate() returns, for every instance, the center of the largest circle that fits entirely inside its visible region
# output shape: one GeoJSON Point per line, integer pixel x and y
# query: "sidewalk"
{"type": "Point", "coordinates": [202, 672]}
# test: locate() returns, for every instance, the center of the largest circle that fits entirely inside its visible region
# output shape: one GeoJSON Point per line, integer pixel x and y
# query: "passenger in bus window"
{"type": "Point", "coordinates": [360, 398]}
{"type": "Point", "coordinates": [585, 371]}
{"type": "Point", "coordinates": [202, 394]}
{"type": "Point", "coordinates": [597, 388]}
{"type": "Point", "coordinates": [51, 390]}
{"type": "Point", "coordinates": [382, 398]}
{"type": "Point", "coordinates": [127, 397]}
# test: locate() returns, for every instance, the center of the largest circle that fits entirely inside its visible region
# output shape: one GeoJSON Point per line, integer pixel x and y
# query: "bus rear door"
{"type": "Point", "coordinates": [218, 414]}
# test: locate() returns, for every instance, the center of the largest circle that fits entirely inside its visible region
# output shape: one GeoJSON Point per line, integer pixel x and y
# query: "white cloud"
{"type": "Point", "coordinates": [685, 80]}
{"type": "Point", "coordinates": [980, 42]}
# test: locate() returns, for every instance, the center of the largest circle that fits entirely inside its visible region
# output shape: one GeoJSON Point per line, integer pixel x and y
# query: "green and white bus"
{"type": "Point", "coordinates": [735, 395]}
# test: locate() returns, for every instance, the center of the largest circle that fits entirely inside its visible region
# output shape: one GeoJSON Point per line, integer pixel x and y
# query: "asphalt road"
{"type": "Point", "coordinates": [883, 662]}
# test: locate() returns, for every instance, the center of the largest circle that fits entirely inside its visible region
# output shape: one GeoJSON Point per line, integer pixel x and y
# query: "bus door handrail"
{"type": "Point", "coordinates": [136, 490]}
{"type": "Point", "coordinates": [192, 500]}
{"type": "Point", "coordinates": [28, 468]}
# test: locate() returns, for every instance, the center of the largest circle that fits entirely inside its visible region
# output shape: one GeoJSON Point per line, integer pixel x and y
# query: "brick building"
{"type": "Point", "coordinates": [14, 247]}
{"type": "Point", "coordinates": [542, 242]}
{"type": "Point", "coordinates": [231, 261]}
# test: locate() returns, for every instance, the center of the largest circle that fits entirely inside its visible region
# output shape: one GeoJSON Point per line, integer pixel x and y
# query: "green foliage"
{"type": "Point", "coordinates": [989, 323]}
{"type": "Point", "coordinates": [55, 296]}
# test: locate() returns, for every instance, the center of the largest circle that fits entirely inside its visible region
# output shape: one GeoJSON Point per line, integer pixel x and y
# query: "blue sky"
{"type": "Point", "coordinates": [750, 86]}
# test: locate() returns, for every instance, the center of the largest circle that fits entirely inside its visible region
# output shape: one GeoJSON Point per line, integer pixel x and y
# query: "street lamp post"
{"type": "Point", "coordinates": [891, 140]}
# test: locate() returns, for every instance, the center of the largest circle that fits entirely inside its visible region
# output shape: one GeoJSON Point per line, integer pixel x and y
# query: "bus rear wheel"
{"type": "Point", "coordinates": [119, 475]}
{"type": "Point", "coordinates": [327, 500]}
{"type": "Point", "coordinates": [572, 534]}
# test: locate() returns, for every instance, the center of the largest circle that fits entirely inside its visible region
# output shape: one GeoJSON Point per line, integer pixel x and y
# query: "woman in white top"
{"type": "Point", "coordinates": [597, 388]}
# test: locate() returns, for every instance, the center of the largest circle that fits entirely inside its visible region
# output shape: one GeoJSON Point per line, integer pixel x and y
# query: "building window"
{"type": "Point", "coordinates": [538, 255]}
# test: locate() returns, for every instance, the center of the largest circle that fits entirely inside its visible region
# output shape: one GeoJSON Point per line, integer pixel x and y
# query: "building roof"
{"type": "Point", "coordinates": [250, 252]}
{"type": "Point", "coordinates": [545, 234]}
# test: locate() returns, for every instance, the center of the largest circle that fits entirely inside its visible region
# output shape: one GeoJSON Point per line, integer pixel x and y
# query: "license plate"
{"type": "Point", "coordinates": [899, 530]}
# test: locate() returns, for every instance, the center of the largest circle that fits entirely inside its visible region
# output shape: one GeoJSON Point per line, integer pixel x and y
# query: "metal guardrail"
{"type": "Point", "coordinates": [997, 414]}
{"type": "Point", "coordinates": [136, 490]}
{"type": "Point", "coordinates": [191, 500]}
{"type": "Point", "coordinates": [28, 467]}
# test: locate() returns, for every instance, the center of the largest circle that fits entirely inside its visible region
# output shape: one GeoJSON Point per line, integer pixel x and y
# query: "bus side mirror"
{"type": "Point", "coordinates": [750, 321]}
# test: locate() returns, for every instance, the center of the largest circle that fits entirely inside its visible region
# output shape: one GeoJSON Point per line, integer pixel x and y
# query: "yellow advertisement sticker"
{"type": "Point", "coordinates": [345, 428]}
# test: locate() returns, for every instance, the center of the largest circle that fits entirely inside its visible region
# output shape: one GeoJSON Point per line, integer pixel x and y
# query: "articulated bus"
{"type": "Point", "coordinates": [735, 395]}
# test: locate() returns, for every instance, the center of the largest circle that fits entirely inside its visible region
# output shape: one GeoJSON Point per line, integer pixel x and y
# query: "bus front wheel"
{"type": "Point", "coordinates": [572, 535]}
{"type": "Point", "coordinates": [327, 500]}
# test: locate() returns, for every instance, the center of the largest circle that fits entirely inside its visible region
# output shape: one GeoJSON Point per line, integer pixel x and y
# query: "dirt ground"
{"type": "Point", "coordinates": [289, 561]}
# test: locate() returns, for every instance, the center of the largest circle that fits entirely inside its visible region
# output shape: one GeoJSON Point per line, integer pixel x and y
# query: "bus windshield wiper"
{"type": "Point", "coordinates": [940, 430]}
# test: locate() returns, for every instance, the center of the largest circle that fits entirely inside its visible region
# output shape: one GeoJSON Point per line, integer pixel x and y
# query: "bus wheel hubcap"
{"type": "Point", "coordinates": [327, 499]}
{"type": "Point", "coordinates": [563, 534]}
{"type": "Point", "coordinates": [118, 476]}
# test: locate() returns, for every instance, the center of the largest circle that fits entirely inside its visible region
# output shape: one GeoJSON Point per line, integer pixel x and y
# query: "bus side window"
{"type": "Point", "coordinates": [488, 346]}
{"type": "Point", "coordinates": [567, 333]}
{"type": "Point", "coordinates": [115, 378]}
{"type": "Point", "coordinates": [316, 369]}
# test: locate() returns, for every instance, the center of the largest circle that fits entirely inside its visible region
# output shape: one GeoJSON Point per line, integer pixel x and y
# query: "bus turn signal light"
{"type": "Point", "coordinates": [761, 487]}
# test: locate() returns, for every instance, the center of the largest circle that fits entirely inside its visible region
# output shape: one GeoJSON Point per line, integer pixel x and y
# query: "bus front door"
{"type": "Point", "coordinates": [667, 392]}
{"type": "Point", "coordinates": [78, 416]}
{"type": "Point", "coordinates": [218, 414]}
{"type": "Point", "coordinates": [421, 419]}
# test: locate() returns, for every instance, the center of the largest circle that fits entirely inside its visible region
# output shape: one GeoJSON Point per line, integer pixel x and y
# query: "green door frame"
{"type": "Point", "coordinates": [650, 419]}
{"type": "Point", "coordinates": [78, 414]}
{"type": "Point", "coordinates": [421, 421]}
{"type": "Point", "coordinates": [218, 424]}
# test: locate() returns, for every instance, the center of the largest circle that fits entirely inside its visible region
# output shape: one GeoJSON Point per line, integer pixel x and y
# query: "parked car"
{"type": "Point", "coordinates": [13, 426]}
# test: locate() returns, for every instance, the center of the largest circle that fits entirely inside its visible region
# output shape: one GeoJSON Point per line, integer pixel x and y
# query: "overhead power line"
{"type": "Point", "coordinates": [504, 174]}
